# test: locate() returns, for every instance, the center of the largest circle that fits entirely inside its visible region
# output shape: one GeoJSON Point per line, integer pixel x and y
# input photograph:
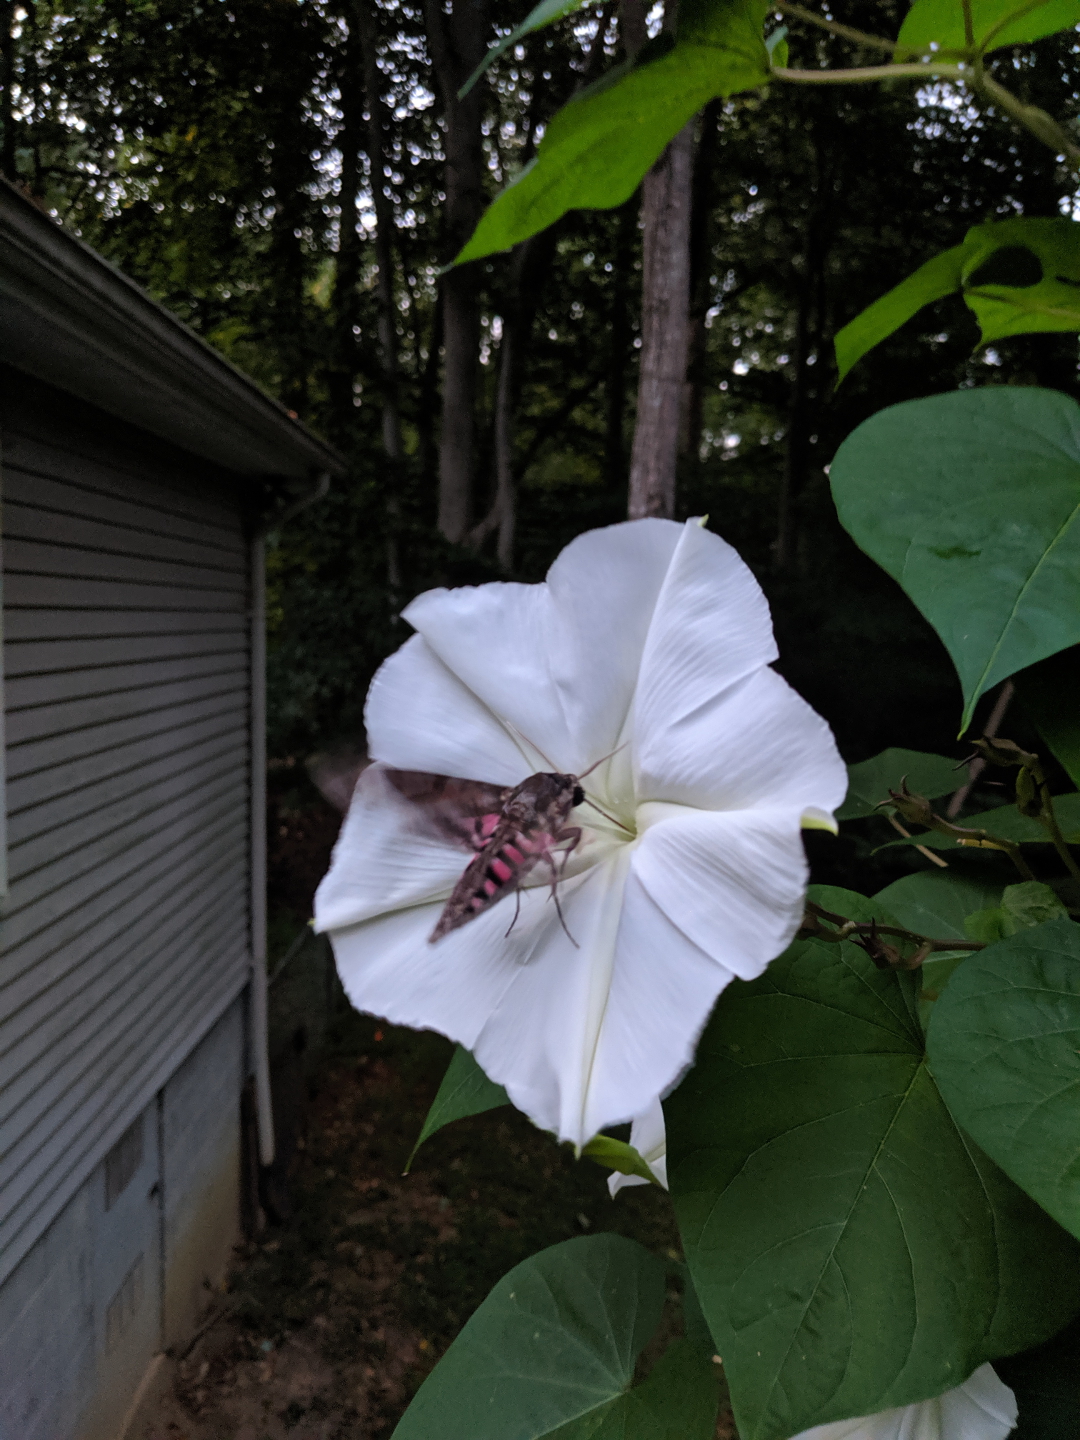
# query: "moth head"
{"type": "Point", "coordinates": [578, 796]}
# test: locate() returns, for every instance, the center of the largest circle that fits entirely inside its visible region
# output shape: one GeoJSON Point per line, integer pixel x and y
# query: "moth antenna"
{"type": "Point", "coordinates": [532, 746]}
{"type": "Point", "coordinates": [602, 759]}
{"type": "Point", "coordinates": [606, 816]}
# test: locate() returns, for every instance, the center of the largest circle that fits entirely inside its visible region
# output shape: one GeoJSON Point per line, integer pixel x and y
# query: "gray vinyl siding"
{"type": "Point", "coordinates": [125, 934]}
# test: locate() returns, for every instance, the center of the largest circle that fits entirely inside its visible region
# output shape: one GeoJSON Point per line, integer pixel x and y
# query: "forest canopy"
{"type": "Point", "coordinates": [293, 178]}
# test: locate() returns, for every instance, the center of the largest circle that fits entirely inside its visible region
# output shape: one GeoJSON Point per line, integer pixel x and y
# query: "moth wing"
{"type": "Point", "coordinates": [335, 774]}
{"type": "Point", "coordinates": [464, 812]}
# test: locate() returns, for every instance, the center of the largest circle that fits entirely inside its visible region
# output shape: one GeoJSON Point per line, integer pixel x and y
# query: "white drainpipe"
{"type": "Point", "coordinates": [264, 1108]}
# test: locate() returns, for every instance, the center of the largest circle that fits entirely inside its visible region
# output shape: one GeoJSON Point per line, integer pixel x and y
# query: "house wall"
{"type": "Point", "coordinates": [132, 1259]}
{"type": "Point", "coordinates": [124, 940]}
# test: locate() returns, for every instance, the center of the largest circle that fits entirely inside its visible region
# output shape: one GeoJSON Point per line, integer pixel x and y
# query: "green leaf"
{"type": "Point", "coordinates": [1018, 276]}
{"type": "Point", "coordinates": [777, 46]}
{"type": "Point", "coordinates": [546, 13]}
{"type": "Point", "coordinates": [943, 21]}
{"type": "Point", "coordinates": [1022, 907]}
{"type": "Point", "coordinates": [1006, 823]}
{"type": "Point", "coordinates": [972, 502]}
{"type": "Point", "coordinates": [934, 280]}
{"type": "Point", "coordinates": [871, 780]}
{"type": "Point", "coordinates": [934, 904]}
{"type": "Point", "coordinates": [1050, 692]}
{"type": "Point", "coordinates": [617, 1155]}
{"type": "Point", "coordinates": [850, 1248]}
{"type": "Point", "coordinates": [552, 1352]}
{"type": "Point", "coordinates": [986, 926]}
{"type": "Point", "coordinates": [1029, 904]}
{"type": "Point", "coordinates": [597, 148]}
{"type": "Point", "coordinates": [1022, 276]}
{"type": "Point", "coordinates": [939, 906]}
{"type": "Point", "coordinates": [1004, 1043]}
{"type": "Point", "coordinates": [465, 1090]}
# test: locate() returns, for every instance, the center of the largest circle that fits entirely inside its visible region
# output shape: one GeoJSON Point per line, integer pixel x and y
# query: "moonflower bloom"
{"type": "Point", "coordinates": [648, 1136]}
{"type": "Point", "coordinates": [649, 643]}
{"type": "Point", "coordinates": [983, 1408]}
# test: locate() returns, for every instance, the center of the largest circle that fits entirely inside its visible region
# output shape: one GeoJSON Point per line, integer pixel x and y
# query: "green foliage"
{"type": "Point", "coordinates": [1050, 692]}
{"type": "Point", "coordinates": [617, 1155]}
{"type": "Point", "coordinates": [597, 148]}
{"type": "Point", "coordinates": [1006, 823]}
{"type": "Point", "coordinates": [934, 280]}
{"type": "Point", "coordinates": [546, 13]}
{"type": "Point", "coordinates": [465, 1090]}
{"type": "Point", "coordinates": [1022, 907]}
{"type": "Point", "coordinates": [1018, 277]}
{"type": "Point", "coordinates": [935, 904]}
{"type": "Point", "coordinates": [871, 780]}
{"type": "Point", "coordinates": [1004, 1043]}
{"type": "Point", "coordinates": [553, 1349]}
{"type": "Point", "coordinates": [879, 1276]}
{"type": "Point", "coordinates": [994, 23]}
{"type": "Point", "coordinates": [971, 502]}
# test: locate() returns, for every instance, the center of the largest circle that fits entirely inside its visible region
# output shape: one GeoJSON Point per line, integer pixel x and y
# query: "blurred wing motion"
{"type": "Point", "coordinates": [465, 812]}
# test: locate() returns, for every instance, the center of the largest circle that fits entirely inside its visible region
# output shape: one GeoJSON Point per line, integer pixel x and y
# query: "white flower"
{"type": "Point", "coordinates": [983, 1408]}
{"type": "Point", "coordinates": [648, 1136]}
{"type": "Point", "coordinates": [649, 636]}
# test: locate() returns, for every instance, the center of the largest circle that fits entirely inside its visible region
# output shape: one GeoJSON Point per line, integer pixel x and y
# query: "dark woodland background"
{"type": "Point", "coordinates": [289, 176]}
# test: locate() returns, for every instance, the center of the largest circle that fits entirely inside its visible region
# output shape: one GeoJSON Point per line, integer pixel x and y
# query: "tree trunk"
{"type": "Point", "coordinates": [700, 289]}
{"type": "Point", "coordinates": [457, 47]}
{"type": "Point", "coordinates": [665, 328]}
{"type": "Point", "coordinates": [619, 338]}
{"type": "Point", "coordinates": [384, 258]}
{"type": "Point", "coordinates": [347, 260]}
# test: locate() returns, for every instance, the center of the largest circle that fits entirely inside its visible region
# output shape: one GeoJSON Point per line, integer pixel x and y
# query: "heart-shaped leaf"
{"type": "Point", "coordinates": [552, 1352]}
{"type": "Point", "coordinates": [851, 1249]}
{"type": "Point", "coordinates": [598, 146]}
{"type": "Point", "coordinates": [972, 502]}
{"type": "Point", "coordinates": [1018, 276]}
{"type": "Point", "coordinates": [1004, 1044]}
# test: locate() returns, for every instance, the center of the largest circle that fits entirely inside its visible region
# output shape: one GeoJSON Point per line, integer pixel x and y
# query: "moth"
{"type": "Point", "coordinates": [512, 830]}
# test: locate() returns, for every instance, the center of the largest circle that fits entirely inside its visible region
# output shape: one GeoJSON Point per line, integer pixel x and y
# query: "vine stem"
{"type": "Point", "coordinates": [856, 74]}
{"type": "Point", "coordinates": [1043, 126]}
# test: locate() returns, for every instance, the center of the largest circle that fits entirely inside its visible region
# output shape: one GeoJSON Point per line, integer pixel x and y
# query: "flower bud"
{"type": "Point", "coordinates": [914, 808]}
{"type": "Point", "coordinates": [1005, 753]}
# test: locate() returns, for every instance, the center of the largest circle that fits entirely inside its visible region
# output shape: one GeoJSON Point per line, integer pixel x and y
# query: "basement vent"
{"type": "Point", "coordinates": [122, 1161]}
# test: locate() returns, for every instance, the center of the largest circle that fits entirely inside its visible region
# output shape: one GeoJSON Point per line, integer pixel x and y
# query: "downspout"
{"type": "Point", "coordinates": [260, 1037]}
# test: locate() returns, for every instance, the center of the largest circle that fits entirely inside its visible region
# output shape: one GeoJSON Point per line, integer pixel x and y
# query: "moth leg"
{"type": "Point", "coordinates": [556, 876]}
{"type": "Point", "coordinates": [573, 833]}
{"type": "Point", "coordinates": [517, 911]}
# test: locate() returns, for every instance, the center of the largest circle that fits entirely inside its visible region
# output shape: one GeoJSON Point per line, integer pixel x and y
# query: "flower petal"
{"type": "Point", "coordinates": [419, 716]}
{"type": "Point", "coordinates": [711, 629]}
{"type": "Point", "coordinates": [733, 883]}
{"type": "Point", "coordinates": [661, 993]}
{"type": "Point", "coordinates": [559, 661]}
{"type": "Point", "coordinates": [757, 743]}
{"type": "Point", "coordinates": [983, 1408]}
{"type": "Point", "coordinates": [583, 1033]}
